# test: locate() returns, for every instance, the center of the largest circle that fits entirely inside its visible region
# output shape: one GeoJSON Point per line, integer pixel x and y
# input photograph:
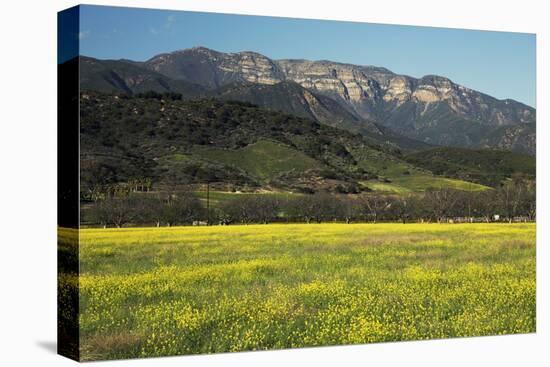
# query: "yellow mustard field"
{"type": "Point", "coordinates": [163, 291]}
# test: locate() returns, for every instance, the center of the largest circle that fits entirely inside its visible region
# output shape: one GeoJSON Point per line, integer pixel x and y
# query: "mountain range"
{"type": "Point", "coordinates": [242, 121]}
{"type": "Point", "coordinates": [398, 111]}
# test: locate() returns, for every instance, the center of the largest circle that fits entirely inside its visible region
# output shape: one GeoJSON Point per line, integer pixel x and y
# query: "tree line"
{"type": "Point", "coordinates": [516, 199]}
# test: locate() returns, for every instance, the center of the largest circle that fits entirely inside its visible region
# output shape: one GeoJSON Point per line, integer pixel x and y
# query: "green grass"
{"type": "Point", "coordinates": [488, 167]}
{"type": "Point", "coordinates": [419, 183]}
{"type": "Point", "coordinates": [219, 197]}
{"type": "Point", "coordinates": [425, 182]}
{"type": "Point", "coordinates": [177, 157]}
{"type": "Point", "coordinates": [264, 159]}
{"type": "Point", "coordinates": [385, 187]}
{"type": "Point", "coordinates": [383, 164]}
{"type": "Point", "coordinates": [184, 290]}
{"type": "Point", "coordinates": [405, 177]}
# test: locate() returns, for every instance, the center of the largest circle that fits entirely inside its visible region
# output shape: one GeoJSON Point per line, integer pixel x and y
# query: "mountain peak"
{"type": "Point", "coordinates": [250, 53]}
{"type": "Point", "coordinates": [432, 78]}
{"type": "Point", "coordinates": [361, 88]}
{"type": "Point", "coordinates": [200, 49]}
{"type": "Point", "coordinates": [431, 108]}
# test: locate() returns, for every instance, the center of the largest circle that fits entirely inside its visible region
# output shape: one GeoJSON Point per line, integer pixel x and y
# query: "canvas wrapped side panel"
{"type": "Point", "coordinates": [68, 183]}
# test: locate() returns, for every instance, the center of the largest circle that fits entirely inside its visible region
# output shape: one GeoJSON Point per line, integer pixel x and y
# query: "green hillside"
{"type": "Point", "coordinates": [293, 99]}
{"type": "Point", "coordinates": [235, 145]}
{"type": "Point", "coordinates": [207, 140]}
{"type": "Point", "coordinates": [128, 77]}
{"type": "Point", "coordinates": [263, 159]}
{"type": "Point", "coordinates": [420, 183]}
{"type": "Point", "coordinates": [488, 167]}
{"type": "Point", "coordinates": [428, 182]}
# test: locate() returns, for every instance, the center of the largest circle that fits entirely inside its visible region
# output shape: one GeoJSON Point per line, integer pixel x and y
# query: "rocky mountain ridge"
{"type": "Point", "coordinates": [415, 112]}
{"type": "Point", "coordinates": [368, 91]}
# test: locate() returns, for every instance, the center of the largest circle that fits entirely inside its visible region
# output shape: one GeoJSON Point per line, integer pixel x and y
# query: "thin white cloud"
{"type": "Point", "coordinates": [83, 34]}
{"type": "Point", "coordinates": [170, 20]}
{"type": "Point", "coordinates": [165, 27]}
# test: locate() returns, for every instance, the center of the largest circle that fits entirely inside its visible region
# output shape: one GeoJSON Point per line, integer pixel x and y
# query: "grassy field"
{"type": "Point", "coordinates": [264, 159]}
{"type": "Point", "coordinates": [425, 182]}
{"type": "Point", "coordinates": [219, 197]}
{"type": "Point", "coordinates": [399, 186]}
{"type": "Point", "coordinates": [421, 182]}
{"type": "Point", "coordinates": [184, 290]}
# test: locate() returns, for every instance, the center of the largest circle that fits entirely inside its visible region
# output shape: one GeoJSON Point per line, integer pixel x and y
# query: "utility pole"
{"type": "Point", "coordinates": [469, 195]}
{"type": "Point", "coordinates": [208, 202]}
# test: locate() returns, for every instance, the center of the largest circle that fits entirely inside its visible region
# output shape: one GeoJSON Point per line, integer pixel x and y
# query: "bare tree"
{"type": "Point", "coordinates": [266, 208]}
{"type": "Point", "coordinates": [116, 211]}
{"type": "Point", "coordinates": [181, 208]}
{"type": "Point", "coordinates": [484, 204]}
{"type": "Point", "coordinates": [531, 201]}
{"type": "Point", "coordinates": [399, 208]}
{"type": "Point", "coordinates": [151, 209]}
{"type": "Point", "coordinates": [240, 210]}
{"type": "Point", "coordinates": [350, 208]}
{"type": "Point", "coordinates": [318, 207]}
{"type": "Point", "coordinates": [513, 197]}
{"type": "Point", "coordinates": [373, 205]}
{"type": "Point", "coordinates": [441, 202]}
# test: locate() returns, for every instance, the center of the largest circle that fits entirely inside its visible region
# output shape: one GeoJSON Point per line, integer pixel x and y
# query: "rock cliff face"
{"type": "Point", "coordinates": [214, 69]}
{"type": "Point", "coordinates": [431, 109]}
{"type": "Point", "coordinates": [370, 92]}
{"type": "Point", "coordinates": [294, 99]}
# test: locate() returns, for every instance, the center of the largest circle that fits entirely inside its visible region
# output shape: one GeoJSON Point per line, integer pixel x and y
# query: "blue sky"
{"type": "Point", "coordinates": [501, 64]}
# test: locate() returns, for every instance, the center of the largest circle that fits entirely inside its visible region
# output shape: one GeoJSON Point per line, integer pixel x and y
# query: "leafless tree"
{"type": "Point", "coordinates": [266, 208]}
{"type": "Point", "coordinates": [116, 211]}
{"type": "Point", "coordinates": [484, 204]}
{"type": "Point", "coordinates": [316, 207]}
{"type": "Point", "coordinates": [517, 197]}
{"type": "Point", "coordinates": [350, 208]}
{"type": "Point", "coordinates": [400, 208]}
{"type": "Point", "coordinates": [181, 208]}
{"type": "Point", "coordinates": [152, 209]}
{"type": "Point", "coordinates": [441, 202]}
{"type": "Point", "coordinates": [373, 205]}
{"type": "Point", "coordinates": [239, 210]}
{"type": "Point", "coordinates": [531, 201]}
